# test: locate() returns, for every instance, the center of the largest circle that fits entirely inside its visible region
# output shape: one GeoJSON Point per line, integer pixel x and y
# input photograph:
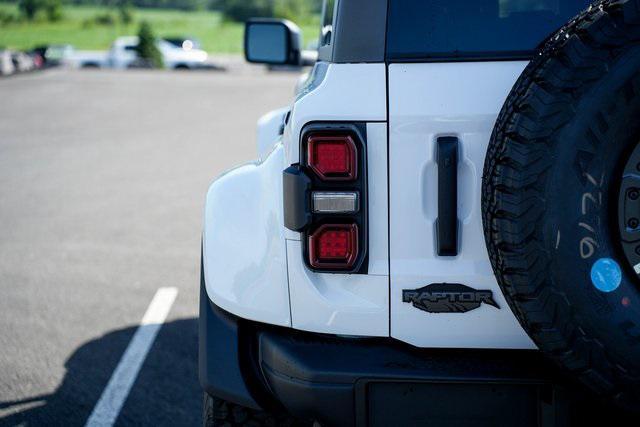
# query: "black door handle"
{"type": "Point", "coordinates": [447, 221]}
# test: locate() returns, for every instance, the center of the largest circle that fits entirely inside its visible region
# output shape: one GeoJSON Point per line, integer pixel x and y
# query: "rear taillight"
{"type": "Point", "coordinates": [332, 157]}
{"type": "Point", "coordinates": [325, 197]}
{"type": "Point", "coordinates": [333, 246]}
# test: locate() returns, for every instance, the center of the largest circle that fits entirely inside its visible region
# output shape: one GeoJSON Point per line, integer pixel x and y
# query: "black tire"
{"type": "Point", "coordinates": [220, 413]}
{"type": "Point", "coordinates": [549, 197]}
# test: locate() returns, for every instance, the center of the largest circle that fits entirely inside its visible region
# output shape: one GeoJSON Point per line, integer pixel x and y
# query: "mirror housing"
{"type": "Point", "coordinates": [272, 41]}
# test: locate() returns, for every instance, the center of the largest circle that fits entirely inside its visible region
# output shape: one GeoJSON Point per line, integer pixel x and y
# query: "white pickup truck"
{"type": "Point", "coordinates": [442, 229]}
{"type": "Point", "coordinates": [122, 54]}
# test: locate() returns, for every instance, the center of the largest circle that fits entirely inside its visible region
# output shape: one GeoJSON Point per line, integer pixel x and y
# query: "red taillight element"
{"type": "Point", "coordinates": [332, 157]}
{"type": "Point", "coordinates": [334, 246]}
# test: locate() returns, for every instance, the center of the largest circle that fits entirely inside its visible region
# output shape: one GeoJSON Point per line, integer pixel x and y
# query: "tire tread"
{"type": "Point", "coordinates": [518, 159]}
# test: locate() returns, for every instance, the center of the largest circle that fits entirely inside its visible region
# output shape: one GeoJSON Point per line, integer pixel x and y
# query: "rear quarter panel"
{"type": "Point", "coordinates": [244, 251]}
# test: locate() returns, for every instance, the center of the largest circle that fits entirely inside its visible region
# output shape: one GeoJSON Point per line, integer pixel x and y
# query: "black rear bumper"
{"type": "Point", "coordinates": [377, 382]}
{"type": "Point", "coordinates": [383, 382]}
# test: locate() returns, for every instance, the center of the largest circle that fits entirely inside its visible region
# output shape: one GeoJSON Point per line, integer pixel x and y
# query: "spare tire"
{"type": "Point", "coordinates": [560, 217]}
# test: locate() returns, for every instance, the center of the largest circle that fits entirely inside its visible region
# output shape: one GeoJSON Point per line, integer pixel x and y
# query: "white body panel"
{"type": "Point", "coordinates": [349, 304]}
{"type": "Point", "coordinates": [244, 251]}
{"type": "Point", "coordinates": [427, 101]}
{"type": "Point", "coordinates": [345, 93]}
{"type": "Point", "coordinates": [268, 130]}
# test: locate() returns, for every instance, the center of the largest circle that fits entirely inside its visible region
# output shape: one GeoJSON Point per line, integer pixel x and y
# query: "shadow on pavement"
{"type": "Point", "coordinates": [166, 391]}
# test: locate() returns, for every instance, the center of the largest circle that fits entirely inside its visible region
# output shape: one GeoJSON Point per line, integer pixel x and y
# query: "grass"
{"type": "Point", "coordinates": [216, 34]}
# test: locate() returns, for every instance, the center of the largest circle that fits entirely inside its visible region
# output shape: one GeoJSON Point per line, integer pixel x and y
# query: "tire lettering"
{"type": "Point", "coordinates": [590, 202]}
{"type": "Point", "coordinates": [585, 197]}
{"type": "Point", "coordinates": [588, 247]}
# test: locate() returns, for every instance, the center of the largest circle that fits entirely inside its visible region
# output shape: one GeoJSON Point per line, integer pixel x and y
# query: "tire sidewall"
{"type": "Point", "coordinates": [581, 196]}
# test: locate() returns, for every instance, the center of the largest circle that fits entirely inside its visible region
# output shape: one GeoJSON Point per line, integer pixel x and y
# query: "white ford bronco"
{"type": "Point", "coordinates": [442, 229]}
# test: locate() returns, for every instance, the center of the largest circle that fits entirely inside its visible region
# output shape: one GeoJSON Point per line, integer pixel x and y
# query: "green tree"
{"type": "Point", "coordinates": [53, 9]}
{"type": "Point", "coordinates": [125, 10]}
{"type": "Point", "coordinates": [29, 8]}
{"type": "Point", "coordinates": [241, 10]}
{"type": "Point", "coordinates": [7, 18]}
{"type": "Point", "coordinates": [147, 49]}
{"type": "Point", "coordinates": [293, 10]}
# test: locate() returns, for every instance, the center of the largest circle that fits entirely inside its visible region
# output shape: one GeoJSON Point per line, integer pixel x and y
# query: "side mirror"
{"type": "Point", "coordinates": [272, 41]}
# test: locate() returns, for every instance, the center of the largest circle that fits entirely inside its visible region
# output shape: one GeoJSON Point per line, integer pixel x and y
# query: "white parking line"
{"type": "Point", "coordinates": [115, 393]}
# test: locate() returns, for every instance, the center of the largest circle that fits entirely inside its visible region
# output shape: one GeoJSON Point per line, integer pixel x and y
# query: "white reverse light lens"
{"type": "Point", "coordinates": [329, 202]}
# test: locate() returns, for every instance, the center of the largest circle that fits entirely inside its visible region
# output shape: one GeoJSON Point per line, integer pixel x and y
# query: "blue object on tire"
{"type": "Point", "coordinates": [606, 275]}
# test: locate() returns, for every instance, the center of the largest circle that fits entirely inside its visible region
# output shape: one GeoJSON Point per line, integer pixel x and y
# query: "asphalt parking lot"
{"type": "Point", "coordinates": [102, 182]}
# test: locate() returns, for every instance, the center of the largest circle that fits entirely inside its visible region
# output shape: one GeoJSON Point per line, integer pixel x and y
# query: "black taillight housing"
{"type": "Point", "coordinates": [325, 197]}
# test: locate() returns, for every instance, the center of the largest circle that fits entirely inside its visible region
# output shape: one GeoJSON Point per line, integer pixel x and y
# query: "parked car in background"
{"type": "Point", "coordinates": [13, 61]}
{"type": "Point", "coordinates": [187, 56]}
{"type": "Point", "coordinates": [186, 43]}
{"type": "Point", "coordinates": [38, 60]}
{"type": "Point", "coordinates": [6, 63]}
{"type": "Point", "coordinates": [88, 59]}
{"type": "Point", "coordinates": [123, 54]}
{"type": "Point", "coordinates": [22, 62]}
{"type": "Point", "coordinates": [53, 55]}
